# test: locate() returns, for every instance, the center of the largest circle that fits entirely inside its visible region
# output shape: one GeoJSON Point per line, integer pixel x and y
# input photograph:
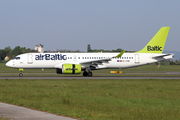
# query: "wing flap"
{"type": "Point", "coordinates": [97, 60]}
{"type": "Point", "coordinates": [102, 60]}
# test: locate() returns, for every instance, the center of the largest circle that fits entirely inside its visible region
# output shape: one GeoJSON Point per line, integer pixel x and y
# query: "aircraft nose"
{"type": "Point", "coordinates": [9, 64]}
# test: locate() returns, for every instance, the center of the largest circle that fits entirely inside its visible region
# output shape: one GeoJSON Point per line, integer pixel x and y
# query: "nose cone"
{"type": "Point", "coordinates": [9, 64]}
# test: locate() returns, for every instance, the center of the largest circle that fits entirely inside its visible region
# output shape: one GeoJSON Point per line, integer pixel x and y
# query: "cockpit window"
{"type": "Point", "coordinates": [16, 58]}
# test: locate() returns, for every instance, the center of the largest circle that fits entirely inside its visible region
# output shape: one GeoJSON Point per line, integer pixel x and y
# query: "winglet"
{"type": "Point", "coordinates": [120, 54]}
{"type": "Point", "coordinates": [156, 44]}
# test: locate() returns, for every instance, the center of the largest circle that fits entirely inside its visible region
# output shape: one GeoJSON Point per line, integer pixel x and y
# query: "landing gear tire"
{"type": "Point", "coordinates": [20, 74]}
{"type": "Point", "coordinates": [85, 74]}
{"type": "Point", "coordinates": [90, 74]}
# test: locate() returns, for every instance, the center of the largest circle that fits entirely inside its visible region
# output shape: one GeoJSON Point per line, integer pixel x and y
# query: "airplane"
{"type": "Point", "coordinates": [75, 63]}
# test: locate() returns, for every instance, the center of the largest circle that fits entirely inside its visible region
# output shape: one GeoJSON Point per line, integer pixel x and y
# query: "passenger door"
{"type": "Point", "coordinates": [30, 59]}
{"type": "Point", "coordinates": [137, 59]}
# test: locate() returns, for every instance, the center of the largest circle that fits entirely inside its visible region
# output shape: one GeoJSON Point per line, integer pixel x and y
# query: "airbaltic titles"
{"type": "Point", "coordinates": [155, 48]}
{"type": "Point", "coordinates": [50, 57]}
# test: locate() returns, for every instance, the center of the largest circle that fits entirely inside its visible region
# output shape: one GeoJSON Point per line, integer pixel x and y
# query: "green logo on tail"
{"type": "Point", "coordinates": [154, 48]}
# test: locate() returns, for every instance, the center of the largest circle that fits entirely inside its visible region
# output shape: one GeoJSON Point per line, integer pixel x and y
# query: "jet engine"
{"type": "Point", "coordinates": [69, 69]}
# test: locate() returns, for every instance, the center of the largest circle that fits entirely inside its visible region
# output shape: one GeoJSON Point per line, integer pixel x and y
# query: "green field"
{"type": "Point", "coordinates": [4, 118]}
{"type": "Point", "coordinates": [98, 99]}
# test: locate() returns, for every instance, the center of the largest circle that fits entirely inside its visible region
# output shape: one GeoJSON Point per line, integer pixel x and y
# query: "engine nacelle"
{"type": "Point", "coordinates": [69, 69]}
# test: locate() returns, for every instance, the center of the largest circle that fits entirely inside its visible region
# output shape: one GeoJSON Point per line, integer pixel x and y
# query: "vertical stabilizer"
{"type": "Point", "coordinates": [156, 44]}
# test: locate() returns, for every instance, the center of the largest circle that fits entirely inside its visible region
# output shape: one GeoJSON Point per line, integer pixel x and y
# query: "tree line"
{"type": "Point", "coordinates": [11, 53]}
{"type": "Point", "coordinates": [102, 50]}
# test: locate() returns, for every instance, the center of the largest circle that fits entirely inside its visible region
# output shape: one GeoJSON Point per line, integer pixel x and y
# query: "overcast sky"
{"type": "Point", "coordinates": [72, 24]}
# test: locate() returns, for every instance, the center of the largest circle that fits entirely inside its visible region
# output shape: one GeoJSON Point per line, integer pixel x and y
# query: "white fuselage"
{"type": "Point", "coordinates": [98, 60]}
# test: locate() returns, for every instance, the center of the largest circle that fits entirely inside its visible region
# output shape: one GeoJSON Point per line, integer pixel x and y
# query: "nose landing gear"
{"type": "Point", "coordinates": [20, 70]}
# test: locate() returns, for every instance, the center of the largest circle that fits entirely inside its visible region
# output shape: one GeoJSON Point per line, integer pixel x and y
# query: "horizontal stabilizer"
{"type": "Point", "coordinates": [161, 56]}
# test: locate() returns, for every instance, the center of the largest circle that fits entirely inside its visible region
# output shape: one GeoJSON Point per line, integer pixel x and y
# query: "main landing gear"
{"type": "Point", "coordinates": [87, 73]}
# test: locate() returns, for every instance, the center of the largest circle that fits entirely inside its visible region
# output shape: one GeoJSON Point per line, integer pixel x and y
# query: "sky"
{"type": "Point", "coordinates": [73, 24]}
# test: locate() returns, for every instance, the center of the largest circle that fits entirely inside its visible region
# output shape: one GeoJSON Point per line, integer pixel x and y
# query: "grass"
{"type": "Point", "coordinates": [97, 99]}
{"type": "Point", "coordinates": [5, 118]}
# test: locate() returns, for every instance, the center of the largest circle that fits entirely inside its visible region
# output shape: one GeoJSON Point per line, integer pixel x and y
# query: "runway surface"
{"type": "Point", "coordinates": [165, 75]}
{"type": "Point", "coordinates": [22, 113]}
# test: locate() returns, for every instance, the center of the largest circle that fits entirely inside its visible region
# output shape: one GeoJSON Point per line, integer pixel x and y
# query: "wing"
{"type": "Point", "coordinates": [102, 60]}
{"type": "Point", "coordinates": [97, 61]}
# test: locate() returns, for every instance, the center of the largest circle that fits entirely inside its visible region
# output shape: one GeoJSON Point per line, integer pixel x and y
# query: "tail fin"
{"type": "Point", "coordinates": [156, 44]}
